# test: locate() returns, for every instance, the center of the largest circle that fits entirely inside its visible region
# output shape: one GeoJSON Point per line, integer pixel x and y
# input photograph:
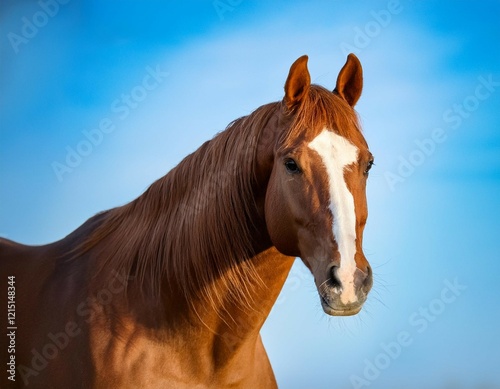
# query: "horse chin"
{"type": "Point", "coordinates": [336, 309]}
{"type": "Point", "coordinates": [340, 311]}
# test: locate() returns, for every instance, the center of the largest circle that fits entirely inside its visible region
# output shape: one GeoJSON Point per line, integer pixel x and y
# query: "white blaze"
{"type": "Point", "coordinates": [337, 153]}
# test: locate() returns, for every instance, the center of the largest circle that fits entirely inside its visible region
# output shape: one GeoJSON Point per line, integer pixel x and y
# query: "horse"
{"type": "Point", "coordinates": [171, 290]}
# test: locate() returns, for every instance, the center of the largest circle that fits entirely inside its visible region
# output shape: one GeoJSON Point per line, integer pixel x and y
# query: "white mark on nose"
{"type": "Point", "coordinates": [337, 153]}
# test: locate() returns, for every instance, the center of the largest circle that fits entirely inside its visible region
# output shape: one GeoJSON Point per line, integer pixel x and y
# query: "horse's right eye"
{"type": "Point", "coordinates": [368, 166]}
{"type": "Point", "coordinates": [291, 166]}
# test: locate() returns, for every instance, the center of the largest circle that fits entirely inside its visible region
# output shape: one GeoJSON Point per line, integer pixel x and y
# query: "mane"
{"type": "Point", "coordinates": [193, 226]}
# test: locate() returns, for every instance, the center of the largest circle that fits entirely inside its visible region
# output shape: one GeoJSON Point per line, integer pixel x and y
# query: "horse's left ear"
{"type": "Point", "coordinates": [350, 80]}
{"type": "Point", "coordinates": [298, 82]}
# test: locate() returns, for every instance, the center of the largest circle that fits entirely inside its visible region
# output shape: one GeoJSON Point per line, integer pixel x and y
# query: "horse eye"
{"type": "Point", "coordinates": [291, 166]}
{"type": "Point", "coordinates": [369, 166]}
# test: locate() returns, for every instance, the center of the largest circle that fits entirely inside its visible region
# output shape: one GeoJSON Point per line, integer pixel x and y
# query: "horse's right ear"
{"type": "Point", "coordinates": [350, 80]}
{"type": "Point", "coordinates": [298, 82]}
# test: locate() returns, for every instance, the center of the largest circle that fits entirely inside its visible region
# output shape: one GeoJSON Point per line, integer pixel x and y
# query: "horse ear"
{"type": "Point", "coordinates": [298, 82]}
{"type": "Point", "coordinates": [350, 80]}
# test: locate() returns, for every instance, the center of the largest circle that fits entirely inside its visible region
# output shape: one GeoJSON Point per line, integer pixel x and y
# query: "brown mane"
{"type": "Point", "coordinates": [163, 234]}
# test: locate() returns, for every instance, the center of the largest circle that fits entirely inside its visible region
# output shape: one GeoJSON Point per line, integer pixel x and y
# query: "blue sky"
{"type": "Point", "coordinates": [430, 114]}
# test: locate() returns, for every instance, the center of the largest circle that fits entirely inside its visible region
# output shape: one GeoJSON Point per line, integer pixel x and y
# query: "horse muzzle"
{"type": "Point", "coordinates": [345, 296]}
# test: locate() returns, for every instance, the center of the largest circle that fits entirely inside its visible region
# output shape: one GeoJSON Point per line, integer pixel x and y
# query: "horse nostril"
{"type": "Point", "coordinates": [334, 279]}
{"type": "Point", "coordinates": [368, 281]}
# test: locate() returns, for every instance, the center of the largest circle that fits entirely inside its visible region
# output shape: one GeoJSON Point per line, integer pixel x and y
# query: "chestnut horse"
{"type": "Point", "coordinates": [172, 289]}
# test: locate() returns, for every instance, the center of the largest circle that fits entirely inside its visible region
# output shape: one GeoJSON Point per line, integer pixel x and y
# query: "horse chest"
{"type": "Point", "coordinates": [137, 360]}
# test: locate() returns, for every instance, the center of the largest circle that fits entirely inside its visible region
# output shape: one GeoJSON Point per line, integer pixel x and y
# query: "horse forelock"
{"type": "Point", "coordinates": [319, 109]}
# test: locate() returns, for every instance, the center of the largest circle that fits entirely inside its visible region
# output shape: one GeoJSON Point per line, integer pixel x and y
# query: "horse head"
{"type": "Point", "coordinates": [315, 203]}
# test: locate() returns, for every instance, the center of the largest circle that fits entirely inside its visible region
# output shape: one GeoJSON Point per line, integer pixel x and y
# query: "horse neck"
{"type": "Point", "coordinates": [242, 236]}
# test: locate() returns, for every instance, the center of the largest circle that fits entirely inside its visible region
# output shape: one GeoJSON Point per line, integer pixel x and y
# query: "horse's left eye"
{"type": "Point", "coordinates": [368, 166]}
{"type": "Point", "coordinates": [292, 166]}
